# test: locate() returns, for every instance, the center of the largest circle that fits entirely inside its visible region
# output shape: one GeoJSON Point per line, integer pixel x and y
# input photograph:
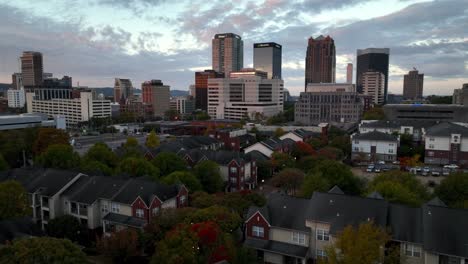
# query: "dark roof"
{"type": "Point", "coordinates": [304, 133]}
{"type": "Point", "coordinates": [46, 181]}
{"type": "Point", "coordinates": [436, 201]}
{"type": "Point", "coordinates": [257, 155]}
{"type": "Point", "coordinates": [222, 157]}
{"type": "Point", "coordinates": [375, 195]}
{"type": "Point", "coordinates": [446, 129]}
{"type": "Point", "coordinates": [276, 246]}
{"type": "Point", "coordinates": [146, 190]}
{"type": "Point", "coordinates": [336, 190]}
{"type": "Point", "coordinates": [125, 220]}
{"type": "Point", "coordinates": [375, 135]}
{"type": "Point", "coordinates": [398, 123]}
{"type": "Point", "coordinates": [272, 143]}
{"type": "Point", "coordinates": [185, 143]}
{"type": "Point", "coordinates": [89, 189]}
{"type": "Point", "coordinates": [405, 223]}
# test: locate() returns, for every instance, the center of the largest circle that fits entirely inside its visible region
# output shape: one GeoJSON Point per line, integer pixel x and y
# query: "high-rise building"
{"type": "Point", "coordinates": [16, 81]}
{"type": "Point", "coordinates": [182, 104]}
{"type": "Point", "coordinates": [31, 69]}
{"type": "Point", "coordinates": [123, 90]}
{"type": "Point", "coordinates": [349, 73]}
{"type": "Point", "coordinates": [320, 60]}
{"type": "Point", "coordinates": [158, 95]}
{"type": "Point", "coordinates": [267, 58]}
{"type": "Point", "coordinates": [460, 96]}
{"type": "Point", "coordinates": [413, 85]}
{"type": "Point", "coordinates": [201, 87]}
{"type": "Point", "coordinates": [373, 84]}
{"type": "Point", "coordinates": [228, 53]}
{"type": "Point", "coordinates": [375, 59]}
{"type": "Point", "coordinates": [246, 93]}
{"type": "Point", "coordinates": [16, 98]}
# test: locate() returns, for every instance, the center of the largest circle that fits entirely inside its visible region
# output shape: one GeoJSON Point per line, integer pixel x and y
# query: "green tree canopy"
{"type": "Point", "coordinates": [120, 245]}
{"type": "Point", "coordinates": [131, 148]}
{"type": "Point", "coordinates": [137, 167]}
{"type": "Point", "coordinates": [289, 180]}
{"type": "Point", "coordinates": [65, 226]}
{"type": "Point", "coordinates": [102, 153]}
{"type": "Point", "coordinates": [227, 220]}
{"type": "Point", "coordinates": [152, 141]}
{"type": "Point", "coordinates": [281, 161]}
{"type": "Point", "coordinates": [314, 182]}
{"type": "Point", "coordinates": [59, 157]}
{"type": "Point", "coordinates": [3, 164]}
{"type": "Point", "coordinates": [168, 162]}
{"type": "Point", "coordinates": [42, 250]}
{"type": "Point", "coordinates": [49, 136]}
{"type": "Point", "coordinates": [279, 132]}
{"type": "Point", "coordinates": [209, 175]}
{"type": "Point", "coordinates": [95, 167]}
{"type": "Point", "coordinates": [185, 177]}
{"type": "Point", "coordinates": [13, 200]}
{"type": "Point", "coordinates": [375, 113]}
{"type": "Point", "coordinates": [337, 173]}
{"type": "Point", "coordinates": [453, 190]}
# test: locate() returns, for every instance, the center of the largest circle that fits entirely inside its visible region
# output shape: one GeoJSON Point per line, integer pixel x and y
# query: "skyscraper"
{"type": "Point", "coordinates": [16, 81]}
{"type": "Point", "coordinates": [31, 69]}
{"type": "Point", "coordinates": [320, 60]}
{"type": "Point", "coordinates": [228, 53]}
{"type": "Point", "coordinates": [349, 73]}
{"type": "Point", "coordinates": [267, 58]}
{"type": "Point", "coordinates": [158, 95]}
{"type": "Point", "coordinates": [373, 84]}
{"type": "Point", "coordinates": [201, 87]}
{"type": "Point", "coordinates": [123, 89]}
{"type": "Point", "coordinates": [372, 59]}
{"type": "Point", "coordinates": [413, 85]}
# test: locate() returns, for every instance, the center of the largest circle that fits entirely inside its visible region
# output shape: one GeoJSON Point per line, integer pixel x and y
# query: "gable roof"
{"type": "Point", "coordinates": [222, 157]}
{"type": "Point", "coordinates": [146, 190]}
{"type": "Point", "coordinates": [396, 124]}
{"type": "Point", "coordinates": [446, 129]}
{"type": "Point", "coordinates": [375, 135]}
{"type": "Point", "coordinates": [89, 189]}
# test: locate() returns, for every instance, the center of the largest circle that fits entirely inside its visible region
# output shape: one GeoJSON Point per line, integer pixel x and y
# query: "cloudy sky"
{"type": "Point", "coordinates": [96, 40]}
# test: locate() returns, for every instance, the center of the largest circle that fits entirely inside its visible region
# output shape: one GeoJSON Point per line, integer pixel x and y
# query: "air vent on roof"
{"type": "Point", "coordinates": [284, 206]}
{"type": "Point", "coordinates": [331, 201]}
{"type": "Point", "coordinates": [337, 214]}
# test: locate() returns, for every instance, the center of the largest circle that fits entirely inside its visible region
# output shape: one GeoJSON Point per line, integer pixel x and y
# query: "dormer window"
{"type": "Point", "coordinates": [258, 231]}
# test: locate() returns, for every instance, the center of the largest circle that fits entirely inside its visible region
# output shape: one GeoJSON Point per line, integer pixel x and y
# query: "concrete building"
{"type": "Point", "coordinates": [267, 57]}
{"type": "Point", "coordinates": [123, 90]}
{"type": "Point", "coordinates": [372, 59]}
{"type": "Point", "coordinates": [9, 122]}
{"type": "Point", "coordinates": [16, 81]}
{"type": "Point", "coordinates": [31, 69]}
{"type": "Point", "coordinates": [75, 110]}
{"type": "Point", "coordinates": [328, 103]}
{"type": "Point", "coordinates": [201, 87]}
{"type": "Point", "coordinates": [320, 60]}
{"type": "Point", "coordinates": [460, 96]}
{"type": "Point", "coordinates": [227, 53]}
{"type": "Point", "coordinates": [16, 98]}
{"type": "Point", "coordinates": [374, 146]}
{"type": "Point", "coordinates": [373, 84]}
{"type": "Point", "coordinates": [415, 128]}
{"type": "Point", "coordinates": [182, 104]}
{"type": "Point", "coordinates": [157, 94]}
{"type": "Point", "coordinates": [413, 84]}
{"type": "Point", "coordinates": [349, 73]}
{"type": "Point", "coordinates": [446, 143]}
{"type": "Point", "coordinates": [245, 93]}
{"type": "Point", "coordinates": [453, 113]}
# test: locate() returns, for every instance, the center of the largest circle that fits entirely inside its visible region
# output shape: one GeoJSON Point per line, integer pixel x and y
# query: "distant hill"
{"type": "Point", "coordinates": [5, 86]}
{"type": "Point", "coordinates": [179, 93]}
{"type": "Point", "coordinates": [109, 91]}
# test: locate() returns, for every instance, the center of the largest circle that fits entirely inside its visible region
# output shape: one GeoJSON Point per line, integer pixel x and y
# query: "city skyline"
{"type": "Point", "coordinates": [95, 48]}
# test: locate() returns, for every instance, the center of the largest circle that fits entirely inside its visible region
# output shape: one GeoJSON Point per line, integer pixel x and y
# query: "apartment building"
{"type": "Point", "coordinates": [297, 230]}
{"type": "Point", "coordinates": [246, 93]}
{"type": "Point", "coordinates": [233, 139]}
{"type": "Point", "coordinates": [267, 147]}
{"type": "Point", "coordinates": [374, 146]}
{"type": "Point", "coordinates": [75, 110]}
{"type": "Point", "coordinates": [416, 128]}
{"type": "Point", "coordinates": [16, 98]}
{"type": "Point", "coordinates": [446, 143]}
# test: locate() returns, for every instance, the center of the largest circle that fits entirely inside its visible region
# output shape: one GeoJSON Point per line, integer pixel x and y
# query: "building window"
{"type": "Point", "coordinates": [430, 153]}
{"type": "Point", "coordinates": [356, 142]}
{"type": "Point", "coordinates": [323, 235]}
{"type": "Point", "coordinates": [104, 209]}
{"type": "Point", "coordinates": [182, 199]}
{"type": "Point", "coordinates": [233, 169]}
{"type": "Point", "coordinates": [115, 208]}
{"type": "Point", "coordinates": [321, 253]}
{"type": "Point", "coordinates": [298, 238]}
{"type": "Point", "coordinates": [390, 151]}
{"type": "Point", "coordinates": [412, 250]}
{"type": "Point", "coordinates": [431, 146]}
{"type": "Point", "coordinates": [431, 139]}
{"type": "Point", "coordinates": [356, 149]}
{"type": "Point", "coordinates": [155, 210]}
{"type": "Point", "coordinates": [139, 213]}
{"type": "Point", "coordinates": [391, 144]}
{"type": "Point", "coordinates": [258, 231]}
{"type": "Point", "coordinates": [233, 180]}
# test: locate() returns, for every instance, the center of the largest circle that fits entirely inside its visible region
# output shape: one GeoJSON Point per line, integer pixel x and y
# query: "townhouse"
{"type": "Point", "coordinates": [374, 146]}
{"type": "Point", "coordinates": [300, 135]}
{"type": "Point", "coordinates": [185, 143]}
{"type": "Point", "coordinates": [101, 203]}
{"type": "Point", "coordinates": [239, 171]}
{"type": "Point", "coordinates": [267, 147]}
{"type": "Point", "coordinates": [297, 230]}
{"type": "Point", "coordinates": [416, 128]}
{"type": "Point", "coordinates": [446, 143]}
{"type": "Point", "coordinates": [233, 139]}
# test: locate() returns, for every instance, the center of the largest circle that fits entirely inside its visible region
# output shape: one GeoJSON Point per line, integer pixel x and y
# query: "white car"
{"type": "Point", "coordinates": [381, 162]}
{"type": "Point", "coordinates": [451, 166]}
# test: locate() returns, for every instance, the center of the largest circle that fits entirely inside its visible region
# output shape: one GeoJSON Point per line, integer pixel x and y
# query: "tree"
{"type": "Point", "coordinates": [203, 200]}
{"type": "Point", "coordinates": [453, 190]}
{"type": "Point", "coordinates": [95, 167]}
{"type": "Point", "coordinates": [65, 226]}
{"type": "Point", "coordinates": [100, 152]}
{"type": "Point", "coordinates": [316, 143]}
{"type": "Point", "coordinates": [227, 220]}
{"type": "Point", "coordinates": [49, 136]}
{"type": "Point", "coordinates": [358, 246]}
{"type": "Point", "coordinates": [281, 160]}
{"type": "Point", "coordinates": [172, 115]}
{"type": "Point", "coordinates": [137, 167]}
{"type": "Point", "coordinates": [302, 149]}
{"type": "Point", "coordinates": [42, 250]}
{"type": "Point", "coordinates": [209, 175]}
{"type": "Point", "coordinates": [152, 141]}
{"type": "Point", "coordinates": [331, 153]}
{"type": "Point", "coordinates": [168, 162]}
{"type": "Point", "coordinates": [375, 113]}
{"type": "Point", "coordinates": [309, 163]}
{"type": "Point", "coordinates": [342, 142]}
{"type": "Point", "coordinates": [13, 200]}
{"type": "Point", "coordinates": [120, 245]}
{"type": "Point", "coordinates": [185, 177]}
{"type": "Point", "coordinates": [336, 173]}
{"type": "Point", "coordinates": [314, 182]}
{"type": "Point", "coordinates": [279, 132]}
{"type": "Point", "coordinates": [289, 180]}
{"type": "Point", "coordinates": [202, 116]}
{"type": "Point", "coordinates": [59, 157]}
{"type": "Point", "coordinates": [3, 164]}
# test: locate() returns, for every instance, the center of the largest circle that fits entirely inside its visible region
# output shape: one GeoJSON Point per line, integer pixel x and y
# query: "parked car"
{"type": "Point", "coordinates": [396, 162]}
{"type": "Point", "coordinates": [451, 166]}
{"type": "Point", "coordinates": [377, 170]}
{"type": "Point", "coordinates": [426, 169]}
{"type": "Point", "coordinates": [418, 169]}
{"type": "Point", "coordinates": [425, 173]}
{"type": "Point", "coordinates": [370, 168]}
{"type": "Point", "coordinates": [435, 173]}
{"type": "Point", "coordinates": [381, 162]}
{"type": "Point", "coordinates": [446, 172]}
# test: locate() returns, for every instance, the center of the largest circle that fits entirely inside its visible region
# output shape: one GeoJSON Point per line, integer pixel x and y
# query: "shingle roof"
{"type": "Point", "coordinates": [276, 246]}
{"type": "Point", "coordinates": [446, 129]}
{"type": "Point", "coordinates": [375, 135]}
{"type": "Point", "coordinates": [304, 133]}
{"type": "Point", "coordinates": [405, 223]}
{"type": "Point", "coordinates": [89, 189]}
{"type": "Point", "coordinates": [222, 157]}
{"type": "Point", "coordinates": [146, 190]}
{"type": "Point", "coordinates": [257, 155]}
{"type": "Point", "coordinates": [398, 123]}
{"type": "Point", "coordinates": [125, 220]}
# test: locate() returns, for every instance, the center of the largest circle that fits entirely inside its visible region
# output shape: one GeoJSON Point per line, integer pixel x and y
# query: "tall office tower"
{"type": "Point", "coordinates": [460, 96]}
{"type": "Point", "coordinates": [31, 69]}
{"type": "Point", "coordinates": [228, 53]}
{"type": "Point", "coordinates": [413, 85]}
{"type": "Point", "coordinates": [375, 60]}
{"type": "Point", "coordinates": [267, 58]}
{"type": "Point", "coordinates": [373, 85]}
{"type": "Point", "coordinates": [246, 93]}
{"type": "Point", "coordinates": [349, 73]}
{"type": "Point", "coordinates": [123, 90]}
{"type": "Point", "coordinates": [16, 81]}
{"type": "Point", "coordinates": [201, 87]}
{"type": "Point", "coordinates": [320, 60]}
{"type": "Point", "coordinates": [158, 95]}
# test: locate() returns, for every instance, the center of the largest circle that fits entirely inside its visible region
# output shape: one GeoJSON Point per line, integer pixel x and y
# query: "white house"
{"type": "Point", "coordinates": [446, 143]}
{"type": "Point", "coordinates": [374, 146]}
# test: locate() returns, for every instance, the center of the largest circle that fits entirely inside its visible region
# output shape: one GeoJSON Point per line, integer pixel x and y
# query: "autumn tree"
{"type": "Point", "coordinates": [59, 157]}
{"type": "Point", "coordinates": [453, 190]}
{"type": "Point", "coordinates": [279, 132]}
{"type": "Point", "coordinates": [185, 177]}
{"type": "Point", "coordinates": [121, 245]}
{"type": "Point", "coordinates": [375, 113]}
{"type": "Point", "coordinates": [168, 162]}
{"type": "Point", "coordinates": [362, 245]}
{"type": "Point", "coordinates": [289, 180]}
{"type": "Point", "coordinates": [227, 220]}
{"type": "Point", "coordinates": [209, 175]}
{"type": "Point", "coordinates": [49, 136]}
{"type": "Point", "coordinates": [42, 250]}
{"type": "Point", "coordinates": [281, 160]}
{"type": "Point", "coordinates": [13, 200]}
{"type": "Point", "coordinates": [152, 141]}
{"type": "Point", "coordinates": [302, 149]}
{"type": "Point", "coordinates": [137, 167]}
